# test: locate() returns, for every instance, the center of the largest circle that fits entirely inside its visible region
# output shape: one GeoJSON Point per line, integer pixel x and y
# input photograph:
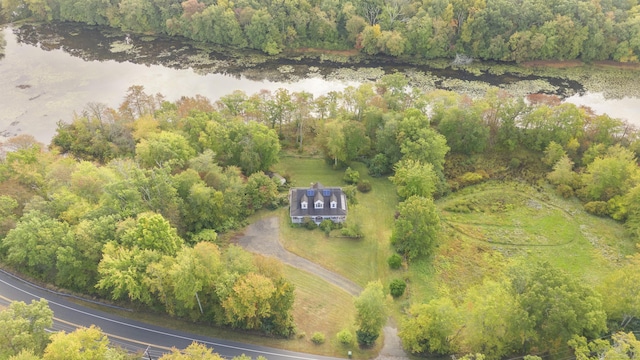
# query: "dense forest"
{"type": "Point", "coordinates": [502, 30]}
{"type": "Point", "coordinates": [127, 205]}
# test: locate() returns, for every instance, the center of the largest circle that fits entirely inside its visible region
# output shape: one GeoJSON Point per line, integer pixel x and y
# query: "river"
{"type": "Point", "coordinates": [49, 72]}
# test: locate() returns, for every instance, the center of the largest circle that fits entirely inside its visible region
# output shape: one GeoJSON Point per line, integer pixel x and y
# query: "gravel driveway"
{"type": "Point", "coordinates": [263, 237]}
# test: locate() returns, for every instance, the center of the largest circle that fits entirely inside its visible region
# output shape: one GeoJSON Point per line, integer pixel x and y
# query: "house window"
{"type": "Point", "coordinates": [334, 205]}
{"type": "Point", "coordinates": [303, 205]}
{"type": "Point", "coordinates": [319, 205]}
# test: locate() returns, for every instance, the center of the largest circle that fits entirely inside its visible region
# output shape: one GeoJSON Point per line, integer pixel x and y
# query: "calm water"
{"type": "Point", "coordinates": [40, 88]}
{"type": "Point", "coordinates": [46, 76]}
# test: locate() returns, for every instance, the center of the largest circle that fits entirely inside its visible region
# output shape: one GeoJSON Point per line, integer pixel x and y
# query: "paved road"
{"type": "Point", "coordinates": [130, 334]}
{"type": "Point", "coordinates": [263, 237]}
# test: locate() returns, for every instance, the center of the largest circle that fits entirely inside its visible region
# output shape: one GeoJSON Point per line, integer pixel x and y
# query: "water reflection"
{"type": "Point", "coordinates": [44, 87]}
{"type": "Point", "coordinates": [49, 71]}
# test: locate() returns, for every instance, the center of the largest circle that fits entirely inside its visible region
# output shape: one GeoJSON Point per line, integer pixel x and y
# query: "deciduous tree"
{"type": "Point", "coordinates": [371, 313]}
{"type": "Point", "coordinates": [413, 178]}
{"type": "Point", "coordinates": [24, 328]}
{"type": "Point", "coordinates": [431, 327]}
{"type": "Point", "coordinates": [415, 231]}
{"type": "Point", "coordinates": [81, 344]}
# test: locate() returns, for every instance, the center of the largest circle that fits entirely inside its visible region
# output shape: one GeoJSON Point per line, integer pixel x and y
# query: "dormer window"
{"type": "Point", "coordinates": [303, 205]}
{"type": "Point", "coordinates": [318, 200]}
{"type": "Point", "coordinates": [334, 205]}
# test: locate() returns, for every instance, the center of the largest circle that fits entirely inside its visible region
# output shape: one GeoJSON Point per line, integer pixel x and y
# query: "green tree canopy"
{"type": "Point", "coordinates": [371, 313]}
{"type": "Point", "coordinates": [613, 174]}
{"type": "Point", "coordinates": [431, 327]}
{"type": "Point", "coordinates": [415, 231]}
{"type": "Point", "coordinates": [34, 243]}
{"type": "Point", "coordinates": [152, 232]}
{"type": "Point", "coordinates": [24, 328]}
{"type": "Point", "coordinates": [81, 344]}
{"type": "Point", "coordinates": [164, 148]}
{"type": "Point", "coordinates": [413, 178]}
{"type": "Point", "coordinates": [558, 306]}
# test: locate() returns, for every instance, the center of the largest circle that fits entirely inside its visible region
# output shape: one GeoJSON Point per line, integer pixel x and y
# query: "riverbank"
{"type": "Point", "coordinates": [51, 71]}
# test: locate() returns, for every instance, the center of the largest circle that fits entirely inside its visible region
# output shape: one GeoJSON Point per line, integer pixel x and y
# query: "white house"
{"type": "Point", "coordinates": [317, 203]}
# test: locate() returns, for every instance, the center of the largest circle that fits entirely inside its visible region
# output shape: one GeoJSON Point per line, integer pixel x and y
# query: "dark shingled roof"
{"type": "Point", "coordinates": [296, 195]}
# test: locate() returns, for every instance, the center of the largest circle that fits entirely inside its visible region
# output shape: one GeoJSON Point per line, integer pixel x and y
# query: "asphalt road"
{"type": "Point", "coordinates": [135, 336]}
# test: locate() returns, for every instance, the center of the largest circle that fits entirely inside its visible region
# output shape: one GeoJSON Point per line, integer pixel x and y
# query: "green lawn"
{"type": "Point", "coordinates": [322, 307]}
{"type": "Point", "coordinates": [361, 260]}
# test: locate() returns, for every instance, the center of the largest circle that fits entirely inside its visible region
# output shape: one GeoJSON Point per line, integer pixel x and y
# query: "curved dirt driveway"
{"type": "Point", "coordinates": [263, 237]}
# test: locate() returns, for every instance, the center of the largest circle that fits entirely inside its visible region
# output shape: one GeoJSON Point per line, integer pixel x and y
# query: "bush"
{"type": "Point", "coordinates": [317, 338]}
{"type": "Point", "coordinates": [351, 230]}
{"type": "Point", "coordinates": [514, 163]}
{"type": "Point", "coordinates": [350, 192]}
{"type": "Point", "coordinates": [351, 176]}
{"type": "Point", "coordinates": [598, 208]}
{"type": "Point", "coordinates": [394, 261]}
{"type": "Point", "coordinates": [565, 191]}
{"type": "Point", "coordinates": [379, 165]}
{"type": "Point", "coordinates": [397, 287]}
{"type": "Point", "coordinates": [326, 225]}
{"type": "Point", "coordinates": [364, 186]}
{"type": "Point", "coordinates": [310, 224]}
{"type": "Point", "coordinates": [470, 178]}
{"type": "Point", "coordinates": [366, 338]}
{"type": "Point", "coordinates": [345, 337]}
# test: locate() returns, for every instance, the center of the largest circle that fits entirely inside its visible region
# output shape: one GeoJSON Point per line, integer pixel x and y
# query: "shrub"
{"type": "Point", "coordinates": [397, 287]}
{"type": "Point", "coordinates": [350, 192]}
{"type": "Point", "coordinates": [470, 178]}
{"type": "Point", "coordinates": [599, 208]}
{"type": "Point", "coordinates": [366, 338]}
{"type": "Point", "coordinates": [394, 261]}
{"type": "Point", "coordinates": [317, 338]}
{"type": "Point", "coordinates": [618, 208]}
{"type": "Point", "coordinates": [565, 191]}
{"type": "Point", "coordinates": [364, 186]}
{"type": "Point", "coordinates": [326, 225]}
{"type": "Point", "coordinates": [379, 165]}
{"type": "Point", "coordinates": [351, 176]}
{"type": "Point", "coordinates": [351, 230]}
{"type": "Point", "coordinates": [310, 224]}
{"type": "Point", "coordinates": [345, 337]}
{"type": "Point", "coordinates": [514, 163]}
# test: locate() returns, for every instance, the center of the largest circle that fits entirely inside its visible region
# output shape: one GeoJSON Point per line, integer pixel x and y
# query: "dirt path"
{"type": "Point", "coordinates": [262, 237]}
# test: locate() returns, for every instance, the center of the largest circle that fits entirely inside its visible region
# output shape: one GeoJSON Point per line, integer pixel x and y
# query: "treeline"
{"type": "Point", "coordinates": [502, 30]}
{"type": "Point", "coordinates": [26, 336]}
